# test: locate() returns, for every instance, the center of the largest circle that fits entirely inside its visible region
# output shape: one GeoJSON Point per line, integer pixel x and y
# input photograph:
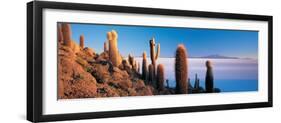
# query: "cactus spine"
{"type": "Point", "coordinates": [209, 80]}
{"type": "Point", "coordinates": [154, 55]}
{"type": "Point", "coordinates": [82, 41]}
{"type": "Point", "coordinates": [114, 55]}
{"type": "Point", "coordinates": [144, 67]}
{"type": "Point", "coordinates": [66, 32]}
{"type": "Point", "coordinates": [181, 70]}
{"type": "Point", "coordinates": [160, 77]}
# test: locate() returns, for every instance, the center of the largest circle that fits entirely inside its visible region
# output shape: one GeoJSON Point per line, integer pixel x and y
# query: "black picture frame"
{"type": "Point", "coordinates": [35, 69]}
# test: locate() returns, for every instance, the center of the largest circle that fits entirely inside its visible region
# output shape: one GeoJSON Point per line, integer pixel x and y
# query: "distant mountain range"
{"type": "Point", "coordinates": [217, 56]}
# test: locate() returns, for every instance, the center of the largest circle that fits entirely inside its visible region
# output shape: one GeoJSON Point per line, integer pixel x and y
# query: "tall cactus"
{"type": "Point", "coordinates": [66, 32]}
{"type": "Point", "coordinates": [181, 70]}
{"type": "Point", "coordinates": [144, 67]}
{"type": "Point", "coordinates": [150, 74]}
{"type": "Point", "coordinates": [60, 35]}
{"type": "Point", "coordinates": [105, 46]}
{"type": "Point", "coordinates": [114, 55]}
{"type": "Point", "coordinates": [160, 77]}
{"type": "Point", "coordinates": [82, 41]}
{"type": "Point", "coordinates": [139, 67]}
{"type": "Point", "coordinates": [154, 55]}
{"type": "Point", "coordinates": [209, 80]}
{"type": "Point", "coordinates": [197, 82]}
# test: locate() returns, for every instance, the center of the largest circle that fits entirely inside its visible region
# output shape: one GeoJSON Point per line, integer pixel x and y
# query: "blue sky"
{"type": "Point", "coordinates": [199, 42]}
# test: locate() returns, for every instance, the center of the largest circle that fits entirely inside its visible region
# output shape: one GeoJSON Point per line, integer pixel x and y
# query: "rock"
{"type": "Point", "coordinates": [119, 74]}
{"type": "Point", "coordinates": [139, 84]}
{"type": "Point", "coordinates": [66, 52]}
{"type": "Point", "coordinates": [89, 52]}
{"type": "Point", "coordinates": [103, 57]}
{"type": "Point", "coordinates": [132, 92]}
{"type": "Point", "coordinates": [125, 84]}
{"type": "Point", "coordinates": [146, 91]}
{"type": "Point", "coordinates": [101, 73]}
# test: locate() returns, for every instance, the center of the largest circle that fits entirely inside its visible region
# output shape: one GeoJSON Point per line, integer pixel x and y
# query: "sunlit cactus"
{"type": "Point", "coordinates": [66, 32]}
{"type": "Point", "coordinates": [209, 80]}
{"type": "Point", "coordinates": [82, 41]}
{"type": "Point", "coordinates": [144, 67]}
{"type": "Point", "coordinates": [160, 77]}
{"type": "Point", "coordinates": [114, 55]}
{"type": "Point", "coordinates": [181, 70]}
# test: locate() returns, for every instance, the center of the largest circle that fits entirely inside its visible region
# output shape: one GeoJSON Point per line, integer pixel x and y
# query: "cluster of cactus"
{"type": "Point", "coordinates": [131, 60]}
{"type": "Point", "coordinates": [82, 41]}
{"type": "Point", "coordinates": [134, 64]}
{"type": "Point", "coordinates": [114, 55]}
{"type": "Point", "coordinates": [181, 70]}
{"type": "Point", "coordinates": [149, 74]}
{"type": "Point", "coordinates": [160, 77]}
{"type": "Point", "coordinates": [209, 80]}
{"type": "Point", "coordinates": [67, 39]}
{"type": "Point", "coordinates": [153, 56]}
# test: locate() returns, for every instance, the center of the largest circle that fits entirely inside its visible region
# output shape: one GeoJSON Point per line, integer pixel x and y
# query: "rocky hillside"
{"type": "Point", "coordinates": [86, 74]}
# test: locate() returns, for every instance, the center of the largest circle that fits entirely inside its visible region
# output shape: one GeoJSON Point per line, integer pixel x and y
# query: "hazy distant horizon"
{"type": "Point", "coordinates": [192, 57]}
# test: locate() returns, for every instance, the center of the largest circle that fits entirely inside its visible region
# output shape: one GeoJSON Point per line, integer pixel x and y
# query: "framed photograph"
{"type": "Point", "coordinates": [89, 61]}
